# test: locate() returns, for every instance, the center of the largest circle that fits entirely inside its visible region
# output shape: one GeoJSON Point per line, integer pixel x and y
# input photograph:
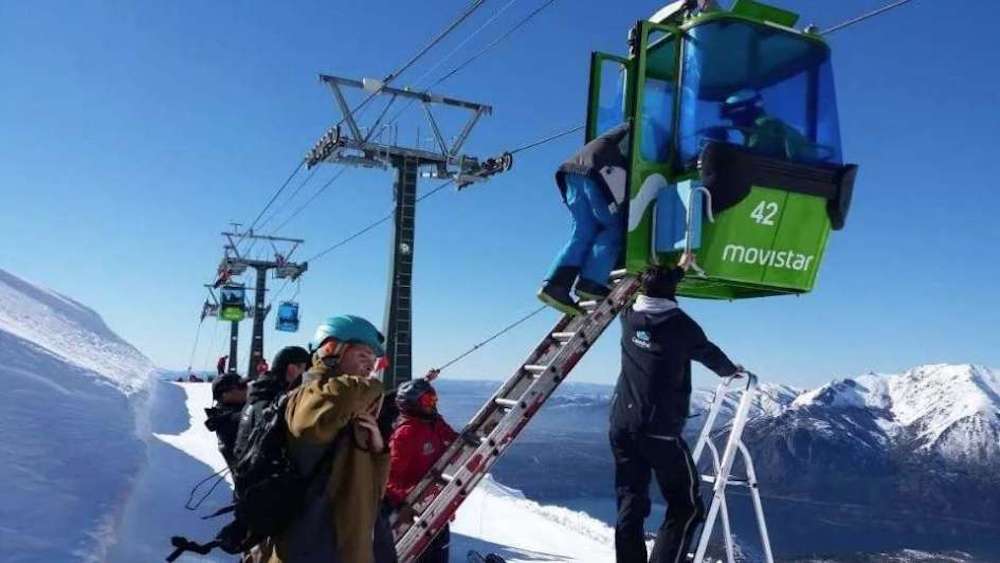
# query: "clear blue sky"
{"type": "Point", "coordinates": [133, 132]}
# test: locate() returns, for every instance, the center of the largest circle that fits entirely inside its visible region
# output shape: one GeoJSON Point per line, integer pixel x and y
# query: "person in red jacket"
{"type": "Point", "coordinates": [420, 437]}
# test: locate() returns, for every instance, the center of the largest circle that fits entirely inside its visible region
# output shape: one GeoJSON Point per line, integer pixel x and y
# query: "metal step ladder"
{"type": "Point", "coordinates": [499, 422]}
{"type": "Point", "coordinates": [722, 477]}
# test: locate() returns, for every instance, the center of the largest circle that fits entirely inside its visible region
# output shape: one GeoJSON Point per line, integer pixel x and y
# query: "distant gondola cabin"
{"type": "Point", "coordinates": [735, 151]}
{"type": "Point", "coordinates": [288, 317]}
{"type": "Point", "coordinates": [232, 304]}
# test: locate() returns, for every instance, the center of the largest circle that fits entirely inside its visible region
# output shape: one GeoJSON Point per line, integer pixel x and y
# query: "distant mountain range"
{"type": "Point", "coordinates": [875, 463]}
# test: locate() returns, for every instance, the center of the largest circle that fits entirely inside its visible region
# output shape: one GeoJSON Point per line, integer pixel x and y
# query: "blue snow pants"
{"type": "Point", "coordinates": [596, 238]}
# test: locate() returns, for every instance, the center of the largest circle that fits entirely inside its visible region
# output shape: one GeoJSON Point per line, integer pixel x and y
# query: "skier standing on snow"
{"type": "Point", "coordinates": [230, 394]}
{"type": "Point", "coordinates": [337, 407]}
{"type": "Point", "coordinates": [648, 412]}
{"type": "Point", "coordinates": [421, 436]}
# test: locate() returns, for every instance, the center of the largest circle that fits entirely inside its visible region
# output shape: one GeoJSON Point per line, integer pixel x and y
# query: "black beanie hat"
{"type": "Point", "coordinates": [287, 356]}
{"type": "Point", "coordinates": [661, 282]}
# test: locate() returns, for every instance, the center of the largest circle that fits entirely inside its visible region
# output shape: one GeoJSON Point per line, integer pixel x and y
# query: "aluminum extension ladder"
{"type": "Point", "coordinates": [498, 423]}
{"type": "Point", "coordinates": [722, 478]}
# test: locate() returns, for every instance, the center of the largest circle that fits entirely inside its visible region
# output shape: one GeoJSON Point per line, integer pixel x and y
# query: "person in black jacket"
{"type": "Point", "coordinates": [592, 184]}
{"type": "Point", "coordinates": [648, 412]}
{"type": "Point", "coordinates": [229, 392]}
{"type": "Point", "coordinates": [285, 374]}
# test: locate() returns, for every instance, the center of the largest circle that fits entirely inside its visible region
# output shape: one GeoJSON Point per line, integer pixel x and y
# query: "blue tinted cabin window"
{"type": "Point", "coordinates": [656, 117]}
{"type": "Point", "coordinates": [764, 88]}
{"type": "Point", "coordinates": [657, 113]}
{"type": "Point", "coordinates": [611, 101]}
{"type": "Point", "coordinates": [231, 296]}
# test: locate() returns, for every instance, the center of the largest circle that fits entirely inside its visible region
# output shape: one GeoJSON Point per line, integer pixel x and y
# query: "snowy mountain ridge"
{"type": "Point", "coordinates": [70, 331]}
{"type": "Point", "coordinates": [951, 410]}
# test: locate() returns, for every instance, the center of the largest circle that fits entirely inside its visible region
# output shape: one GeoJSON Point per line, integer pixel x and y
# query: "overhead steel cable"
{"type": "Point", "coordinates": [496, 335]}
{"type": "Point", "coordinates": [311, 199]}
{"type": "Point", "coordinates": [289, 199]}
{"type": "Point", "coordinates": [479, 54]}
{"type": "Point", "coordinates": [388, 217]}
{"type": "Point", "coordinates": [194, 348]}
{"type": "Point", "coordinates": [546, 139]}
{"type": "Point", "coordinates": [494, 43]}
{"type": "Point", "coordinates": [475, 5]}
{"type": "Point", "coordinates": [864, 17]}
{"type": "Point", "coordinates": [465, 41]}
{"type": "Point", "coordinates": [437, 39]}
{"type": "Point", "coordinates": [270, 202]}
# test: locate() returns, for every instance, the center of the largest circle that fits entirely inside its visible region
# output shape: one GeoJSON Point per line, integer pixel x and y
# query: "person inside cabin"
{"type": "Point", "coordinates": [762, 133]}
{"type": "Point", "coordinates": [220, 366]}
{"type": "Point", "coordinates": [229, 392]}
{"type": "Point", "coordinates": [593, 186]}
{"type": "Point", "coordinates": [420, 437]}
{"type": "Point", "coordinates": [649, 408]}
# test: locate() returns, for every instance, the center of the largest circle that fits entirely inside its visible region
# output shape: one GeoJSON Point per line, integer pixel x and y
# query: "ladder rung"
{"type": "Point", "coordinates": [618, 274]}
{"type": "Point", "coordinates": [562, 336]}
{"type": "Point", "coordinates": [446, 477]}
{"type": "Point", "coordinates": [506, 403]}
{"type": "Point", "coordinates": [472, 439]}
{"type": "Point", "coordinates": [534, 368]}
{"type": "Point", "coordinates": [739, 482]}
{"type": "Point", "coordinates": [588, 305]}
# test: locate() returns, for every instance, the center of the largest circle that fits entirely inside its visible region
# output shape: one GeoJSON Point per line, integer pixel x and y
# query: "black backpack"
{"type": "Point", "coordinates": [270, 491]}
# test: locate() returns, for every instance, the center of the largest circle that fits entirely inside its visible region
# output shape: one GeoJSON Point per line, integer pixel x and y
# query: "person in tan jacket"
{"type": "Point", "coordinates": [337, 407]}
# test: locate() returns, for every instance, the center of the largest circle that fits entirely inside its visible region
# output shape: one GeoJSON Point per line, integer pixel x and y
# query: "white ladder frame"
{"type": "Point", "coordinates": [722, 477]}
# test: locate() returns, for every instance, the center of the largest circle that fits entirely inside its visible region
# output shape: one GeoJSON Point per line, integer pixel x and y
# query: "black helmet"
{"type": "Point", "coordinates": [409, 394]}
{"type": "Point", "coordinates": [224, 383]}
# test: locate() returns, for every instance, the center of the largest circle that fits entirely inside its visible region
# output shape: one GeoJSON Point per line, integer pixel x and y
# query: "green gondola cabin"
{"type": "Point", "coordinates": [232, 303]}
{"type": "Point", "coordinates": [735, 149]}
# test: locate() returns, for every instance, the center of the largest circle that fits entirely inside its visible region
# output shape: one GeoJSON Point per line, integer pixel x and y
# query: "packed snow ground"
{"type": "Point", "coordinates": [67, 415]}
{"type": "Point", "coordinates": [493, 519]}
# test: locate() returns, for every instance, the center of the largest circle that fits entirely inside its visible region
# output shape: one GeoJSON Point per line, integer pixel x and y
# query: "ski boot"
{"type": "Point", "coordinates": [555, 291]}
{"type": "Point", "coordinates": [591, 291]}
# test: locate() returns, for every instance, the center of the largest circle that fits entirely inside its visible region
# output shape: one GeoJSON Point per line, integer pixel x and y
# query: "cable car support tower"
{"type": "Point", "coordinates": [376, 147]}
{"type": "Point", "coordinates": [234, 263]}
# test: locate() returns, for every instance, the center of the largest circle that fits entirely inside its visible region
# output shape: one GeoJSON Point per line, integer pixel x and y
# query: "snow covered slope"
{"type": "Point", "coordinates": [71, 331]}
{"type": "Point", "coordinates": [69, 450]}
{"type": "Point", "coordinates": [493, 519]}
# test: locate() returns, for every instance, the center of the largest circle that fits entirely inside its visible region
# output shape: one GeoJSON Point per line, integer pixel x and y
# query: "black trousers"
{"type": "Point", "coordinates": [637, 458]}
{"type": "Point", "coordinates": [437, 551]}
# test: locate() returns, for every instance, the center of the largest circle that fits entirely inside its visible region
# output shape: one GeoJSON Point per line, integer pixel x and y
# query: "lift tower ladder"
{"type": "Point", "coordinates": [499, 422]}
{"type": "Point", "coordinates": [721, 477]}
{"type": "Point", "coordinates": [377, 146]}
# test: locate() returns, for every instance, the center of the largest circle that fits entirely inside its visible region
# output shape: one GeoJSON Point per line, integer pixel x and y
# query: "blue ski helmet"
{"type": "Point", "coordinates": [349, 329]}
{"type": "Point", "coordinates": [744, 106]}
